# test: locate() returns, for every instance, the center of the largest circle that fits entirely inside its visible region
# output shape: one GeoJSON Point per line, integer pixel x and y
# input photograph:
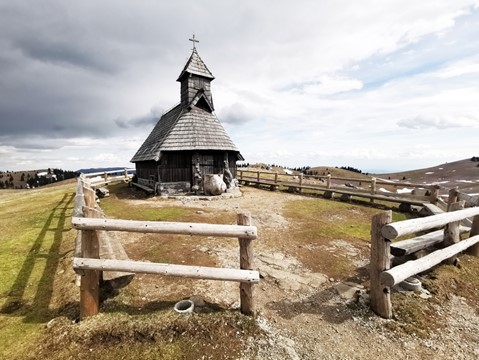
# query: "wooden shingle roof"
{"type": "Point", "coordinates": [196, 66]}
{"type": "Point", "coordinates": [185, 129]}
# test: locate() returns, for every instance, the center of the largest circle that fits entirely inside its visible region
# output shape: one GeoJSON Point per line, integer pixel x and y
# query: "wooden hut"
{"type": "Point", "coordinates": [188, 141]}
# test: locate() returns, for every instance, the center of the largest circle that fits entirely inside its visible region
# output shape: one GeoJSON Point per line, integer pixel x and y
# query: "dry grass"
{"type": "Point", "coordinates": [154, 335]}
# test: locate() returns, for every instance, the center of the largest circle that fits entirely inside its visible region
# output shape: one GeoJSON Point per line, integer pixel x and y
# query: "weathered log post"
{"type": "Point", "coordinates": [105, 176]}
{"type": "Point", "coordinates": [452, 234]}
{"type": "Point", "coordinates": [90, 281]}
{"type": "Point", "coordinates": [89, 195]}
{"type": "Point", "coordinates": [452, 198]}
{"type": "Point", "coordinates": [373, 188]}
{"type": "Point", "coordinates": [380, 261]}
{"type": "Point", "coordinates": [474, 250]}
{"type": "Point", "coordinates": [300, 182]}
{"type": "Point", "coordinates": [246, 263]}
{"type": "Point", "coordinates": [258, 174]}
{"type": "Point", "coordinates": [328, 181]}
{"type": "Point", "coordinates": [433, 199]}
{"type": "Point", "coordinates": [275, 178]}
{"type": "Point", "coordinates": [126, 174]}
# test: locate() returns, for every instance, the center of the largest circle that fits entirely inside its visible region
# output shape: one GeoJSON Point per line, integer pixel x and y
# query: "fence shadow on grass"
{"type": "Point", "coordinates": [38, 310]}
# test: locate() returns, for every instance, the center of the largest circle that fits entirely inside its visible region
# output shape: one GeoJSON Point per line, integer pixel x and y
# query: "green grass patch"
{"type": "Point", "coordinates": [36, 238]}
{"type": "Point", "coordinates": [332, 229]}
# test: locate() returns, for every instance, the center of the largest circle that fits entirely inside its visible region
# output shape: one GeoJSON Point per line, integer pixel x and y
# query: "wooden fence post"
{"type": "Point", "coordinates": [275, 178]}
{"type": "Point", "coordinates": [301, 182]}
{"type": "Point", "coordinates": [452, 198]}
{"type": "Point", "coordinates": [257, 176]}
{"type": "Point", "coordinates": [328, 181]}
{"type": "Point", "coordinates": [89, 195]}
{"type": "Point", "coordinates": [126, 174]}
{"type": "Point", "coordinates": [434, 194]}
{"type": "Point", "coordinates": [474, 250]}
{"type": "Point", "coordinates": [90, 281]}
{"type": "Point", "coordinates": [373, 188]}
{"type": "Point", "coordinates": [380, 261]}
{"type": "Point", "coordinates": [452, 234]}
{"type": "Point", "coordinates": [246, 262]}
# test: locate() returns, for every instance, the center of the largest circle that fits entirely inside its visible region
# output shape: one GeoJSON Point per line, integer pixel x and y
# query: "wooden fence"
{"type": "Point", "coordinates": [326, 184]}
{"type": "Point", "coordinates": [383, 231]}
{"type": "Point", "coordinates": [88, 221]}
{"type": "Point", "coordinates": [106, 177]}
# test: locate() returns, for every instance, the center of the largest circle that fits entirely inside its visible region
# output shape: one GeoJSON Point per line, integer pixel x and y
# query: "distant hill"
{"type": "Point", "coordinates": [337, 172]}
{"type": "Point", "coordinates": [28, 179]}
{"type": "Point", "coordinates": [463, 173]}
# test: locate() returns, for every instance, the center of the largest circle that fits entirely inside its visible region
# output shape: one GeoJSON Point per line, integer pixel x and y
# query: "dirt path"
{"type": "Point", "coordinates": [306, 314]}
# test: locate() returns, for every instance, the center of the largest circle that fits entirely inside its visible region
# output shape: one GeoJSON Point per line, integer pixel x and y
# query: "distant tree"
{"type": "Point", "coordinates": [350, 168]}
{"type": "Point", "coordinates": [22, 177]}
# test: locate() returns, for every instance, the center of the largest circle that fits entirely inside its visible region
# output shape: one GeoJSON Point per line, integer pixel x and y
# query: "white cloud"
{"type": "Point", "coordinates": [106, 158]}
{"type": "Point", "coordinates": [459, 69]}
{"type": "Point", "coordinates": [326, 85]}
{"type": "Point", "coordinates": [438, 122]}
{"type": "Point", "coordinates": [236, 113]}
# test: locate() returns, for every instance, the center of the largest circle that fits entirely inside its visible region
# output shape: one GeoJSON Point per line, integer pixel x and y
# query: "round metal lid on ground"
{"type": "Point", "coordinates": [184, 306]}
{"type": "Point", "coordinates": [411, 284]}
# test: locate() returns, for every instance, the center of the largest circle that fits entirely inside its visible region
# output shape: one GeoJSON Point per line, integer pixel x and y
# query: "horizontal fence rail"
{"type": "Point", "coordinates": [411, 226]}
{"type": "Point", "coordinates": [159, 227]}
{"type": "Point", "coordinates": [399, 273]}
{"type": "Point", "coordinates": [189, 271]}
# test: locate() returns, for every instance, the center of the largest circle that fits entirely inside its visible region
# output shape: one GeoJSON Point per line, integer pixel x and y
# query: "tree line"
{"type": "Point", "coordinates": [33, 179]}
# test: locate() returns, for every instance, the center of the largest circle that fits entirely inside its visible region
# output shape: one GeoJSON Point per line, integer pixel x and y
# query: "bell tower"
{"type": "Point", "coordinates": [194, 78]}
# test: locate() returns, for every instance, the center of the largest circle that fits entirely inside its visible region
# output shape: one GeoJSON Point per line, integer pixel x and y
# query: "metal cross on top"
{"type": "Point", "coordinates": [193, 40]}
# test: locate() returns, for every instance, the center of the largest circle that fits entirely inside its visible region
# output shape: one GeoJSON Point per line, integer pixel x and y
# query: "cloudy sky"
{"type": "Point", "coordinates": [378, 85]}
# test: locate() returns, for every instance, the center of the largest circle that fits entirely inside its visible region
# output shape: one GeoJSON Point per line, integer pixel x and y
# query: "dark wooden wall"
{"type": "Point", "coordinates": [179, 165]}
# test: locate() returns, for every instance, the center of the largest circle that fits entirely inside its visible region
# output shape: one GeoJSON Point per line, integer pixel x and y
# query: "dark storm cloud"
{"type": "Point", "coordinates": [66, 68]}
{"type": "Point", "coordinates": [145, 121]}
{"type": "Point", "coordinates": [64, 53]}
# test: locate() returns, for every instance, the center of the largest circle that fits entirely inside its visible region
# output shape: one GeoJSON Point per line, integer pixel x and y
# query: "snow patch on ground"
{"type": "Point", "coordinates": [404, 191]}
{"type": "Point", "coordinates": [429, 173]}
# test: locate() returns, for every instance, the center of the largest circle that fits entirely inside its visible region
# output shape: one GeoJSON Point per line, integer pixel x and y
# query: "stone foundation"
{"type": "Point", "coordinates": [174, 188]}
